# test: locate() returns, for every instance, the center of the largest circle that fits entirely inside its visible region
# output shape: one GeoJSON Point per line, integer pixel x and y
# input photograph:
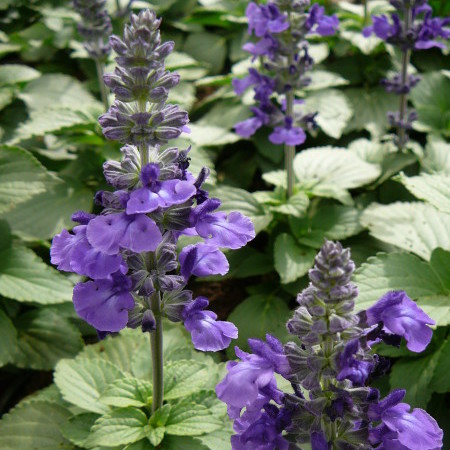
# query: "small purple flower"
{"type": "Point", "coordinates": [265, 46]}
{"type": "Point", "coordinates": [319, 441]}
{"type": "Point", "coordinates": [208, 334]}
{"type": "Point", "coordinates": [351, 368]}
{"type": "Point", "coordinates": [265, 18]}
{"type": "Point", "coordinates": [230, 231]}
{"type": "Point", "coordinates": [112, 232]}
{"type": "Point", "coordinates": [401, 316]}
{"type": "Point", "coordinates": [105, 303]}
{"type": "Point", "coordinates": [288, 134]}
{"type": "Point", "coordinates": [430, 29]}
{"type": "Point", "coordinates": [383, 28]}
{"type": "Point", "coordinates": [401, 429]}
{"type": "Point", "coordinates": [202, 260]}
{"type": "Point", "coordinates": [318, 22]}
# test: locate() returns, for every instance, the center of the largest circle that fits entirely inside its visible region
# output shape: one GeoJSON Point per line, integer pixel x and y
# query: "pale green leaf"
{"type": "Point", "coordinates": [182, 378]}
{"type": "Point", "coordinates": [44, 338]}
{"type": "Point", "coordinates": [437, 156]}
{"type": "Point", "coordinates": [432, 188]}
{"type": "Point", "coordinates": [437, 307]}
{"type": "Point", "coordinates": [82, 381]}
{"type": "Point", "coordinates": [440, 382]}
{"type": "Point", "coordinates": [234, 199]}
{"type": "Point", "coordinates": [25, 277]}
{"type": "Point", "coordinates": [208, 48]}
{"type": "Point", "coordinates": [78, 427]}
{"type": "Point", "coordinates": [210, 135]}
{"type": "Point", "coordinates": [321, 79]}
{"type": "Point", "coordinates": [330, 172]}
{"type": "Point", "coordinates": [22, 176]}
{"type": "Point", "coordinates": [366, 44]}
{"type": "Point", "coordinates": [291, 260]}
{"type": "Point", "coordinates": [415, 227]}
{"type": "Point", "coordinates": [34, 426]}
{"type": "Point", "coordinates": [17, 73]}
{"type": "Point", "coordinates": [119, 427]}
{"type": "Point", "coordinates": [296, 205]}
{"type": "Point", "coordinates": [189, 419]}
{"type": "Point", "coordinates": [334, 110]}
{"type": "Point", "coordinates": [8, 339]}
{"type": "Point", "coordinates": [127, 392]}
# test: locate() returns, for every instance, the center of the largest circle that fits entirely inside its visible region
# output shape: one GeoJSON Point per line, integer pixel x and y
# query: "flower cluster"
{"type": "Point", "coordinates": [330, 369]}
{"type": "Point", "coordinates": [95, 27]}
{"type": "Point", "coordinates": [281, 27]}
{"type": "Point", "coordinates": [129, 249]}
{"type": "Point", "coordinates": [411, 27]}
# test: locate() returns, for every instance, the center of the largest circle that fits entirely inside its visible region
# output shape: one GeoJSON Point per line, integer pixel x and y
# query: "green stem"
{"type": "Point", "coordinates": [118, 8]}
{"type": "Point", "coordinates": [156, 344]}
{"type": "Point", "coordinates": [404, 74]}
{"type": "Point", "coordinates": [104, 94]}
{"type": "Point", "coordinates": [366, 12]}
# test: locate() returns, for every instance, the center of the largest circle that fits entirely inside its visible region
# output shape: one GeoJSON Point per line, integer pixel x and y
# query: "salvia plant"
{"type": "Point", "coordinates": [411, 27]}
{"type": "Point", "coordinates": [129, 250]}
{"type": "Point", "coordinates": [330, 367]}
{"type": "Point", "coordinates": [95, 27]}
{"type": "Point", "coordinates": [281, 28]}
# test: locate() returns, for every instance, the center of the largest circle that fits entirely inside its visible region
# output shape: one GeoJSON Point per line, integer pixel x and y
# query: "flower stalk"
{"type": "Point", "coordinates": [156, 344]}
{"type": "Point", "coordinates": [100, 72]}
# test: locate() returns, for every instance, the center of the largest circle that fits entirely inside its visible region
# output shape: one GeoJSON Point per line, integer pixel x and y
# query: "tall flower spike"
{"type": "Point", "coordinates": [330, 368]}
{"type": "Point", "coordinates": [129, 249]}
{"type": "Point", "coordinates": [411, 28]}
{"type": "Point", "coordinates": [281, 27]}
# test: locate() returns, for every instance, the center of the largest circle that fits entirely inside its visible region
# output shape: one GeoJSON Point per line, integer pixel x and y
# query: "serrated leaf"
{"type": "Point", "coordinates": [291, 260]}
{"type": "Point", "coordinates": [127, 392]}
{"type": "Point", "coordinates": [370, 108]}
{"type": "Point", "coordinates": [160, 416]}
{"type": "Point", "coordinates": [396, 272]}
{"type": "Point", "coordinates": [34, 426]}
{"type": "Point", "coordinates": [434, 189]}
{"type": "Point", "coordinates": [119, 427]}
{"type": "Point", "coordinates": [437, 307]}
{"type": "Point", "coordinates": [437, 156]}
{"type": "Point", "coordinates": [17, 73]}
{"type": "Point", "coordinates": [234, 199]}
{"type": "Point", "coordinates": [331, 222]}
{"type": "Point", "coordinates": [321, 79]}
{"type": "Point", "coordinates": [156, 435]}
{"type": "Point", "coordinates": [82, 381]}
{"type": "Point", "coordinates": [26, 278]}
{"type": "Point", "coordinates": [22, 176]}
{"type": "Point", "coordinates": [415, 227]}
{"type": "Point", "coordinates": [269, 315]}
{"type": "Point", "coordinates": [48, 213]}
{"type": "Point", "coordinates": [296, 205]}
{"type": "Point", "coordinates": [78, 427]}
{"type": "Point", "coordinates": [44, 338]}
{"type": "Point", "coordinates": [440, 382]}
{"type": "Point", "coordinates": [190, 419]}
{"type": "Point", "coordinates": [330, 172]}
{"type": "Point", "coordinates": [8, 339]}
{"type": "Point", "coordinates": [334, 110]}
{"type": "Point", "coordinates": [432, 103]}
{"type": "Point", "coordinates": [182, 378]}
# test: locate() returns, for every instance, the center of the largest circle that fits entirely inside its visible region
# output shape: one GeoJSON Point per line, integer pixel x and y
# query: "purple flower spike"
{"type": "Point", "coordinates": [401, 316]}
{"type": "Point", "coordinates": [202, 260]}
{"type": "Point", "coordinates": [104, 304]}
{"type": "Point", "coordinates": [112, 232]}
{"type": "Point", "coordinates": [207, 333]}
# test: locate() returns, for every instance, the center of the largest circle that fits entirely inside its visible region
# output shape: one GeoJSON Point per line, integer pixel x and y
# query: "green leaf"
{"type": "Point", "coordinates": [119, 427]}
{"type": "Point", "coordinates": [218, 440]}
{"type": "Point", "coordinates": [396, 272]}
{"type": "Point", "coordinates": [160, 416]}
{"type": "Point", "coordinates": [26, 278]}
{"type": "Point", "coordinates": [182, 378]}
{"type": "Point", "coordinates": [370, 108]}
{"type": "Point", "coordinates": [34, 426]}
{"type": "Point", "coordinates": [78, 427]}
{"type": "Point", "coordinates": [234, 199]}
{"type": "Point", "coordinates": [127, 391]}
{"type": "Point", "coordinates": [334, 110]}
{"type": "Point", "coordinates": [8, 338]}
{"type": "Point", "coordinates": [183, 442]}
{"type": "Point", "coordinates": [321, 79]}
{"type": "Point", "coordinates": [333, 222]}
{"type": "Point", "coordinates": [291, 260]}
{"type": "Point", "coordinates": [248, 262]}
{"type": "Point", "coordinates": [17, 73]}
{"type": "Point", "coordinates": [210, 135]}
{"type": "Point", "coordinates": [208, 48]}
{"type": "Point", "coordinates": [156, 435]}
{"type": "Point", "coordinates": [189, 419]}
{"type": "Point", "coordinates": [21, 177]}
{"type": "Point", "coordinates": [82, 381]}
{"type": "Point", "coordinates": [437, 307]}
{"type": "Point", "coordinates": [440, 382]}
{"type": "Point", "coordinates": [366, 45]}
{"type": "Point", "coordinates": [296, 205]}
{"type": "Point", "coordinates": [48, 213]}
{"type": "Point", "coordinates": [432, 103]}
{"type": "Point", "coordinates": [415, 227]}
{"type": "Point", "coordinates": [269, 315]}
{"type": "Point", "coordinates": [7, 94]}
{"type": "Point", "coordinates": [434, 189]}
{"type": "Point", "coordinates": [437, 156]}
{"type": "Point", "coordinates": [415, 376]}
{"type": "Point", "coordinates": [330, 172]}
{"type": "Point", "coordinates": [44, 338]}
